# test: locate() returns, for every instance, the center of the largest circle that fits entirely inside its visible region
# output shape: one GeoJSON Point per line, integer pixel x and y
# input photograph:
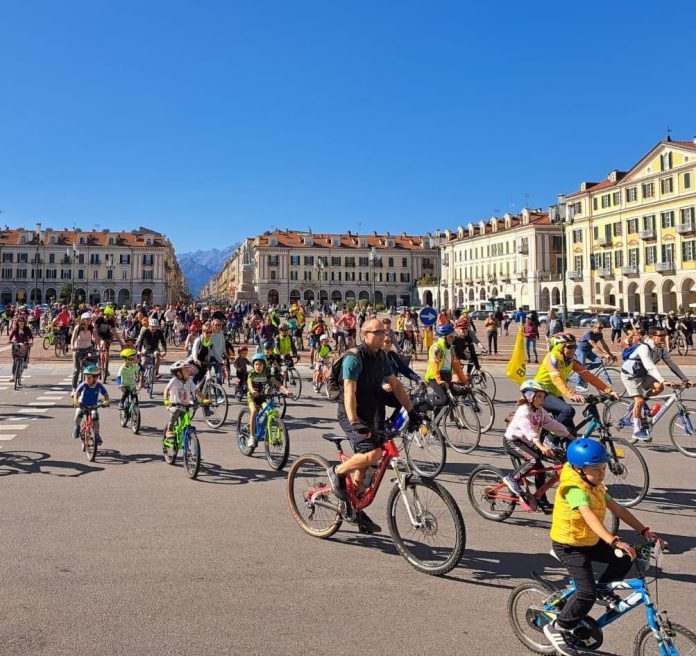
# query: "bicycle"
{"type": "Point", "coordinates": [58, 341]}
{"type": "Point", "coordinates": [20, 352]}
{"type": "Point", "coordinates": [678, 341]}
{"type": "Point", "coordinates": [532, 605]}
{"type": "Point", "coordinates": [216, 410]}
{"type": "Point", "coordinates": [147, 378]}
{"type": "Point", "coordinates": [49, 340]}
{"type": "Point", "coordinates": [88, 439]}
{"type": "Point", "coordinates": [323, 368]}
{"type": "Point", "coordinates": [269, 429]}
{"type": "Point", "coordinates": [612, 376]}
{"type": "Point", "coordinates": [459, 423]}
{"type": "Point", "coordinates": [485, 382]}
{"type": "Point", "coordinates": [185, 439]}
{"type": "Point", "coordinates": [131, 411]}
{"type": "Point", "coordinates": [682, 426]}
{"type": "Point", "coordinates": [83, 359]}
{"type": "Point", "coordinates": [104, 354]}
{"type": "Point", "coordinates": [424, 520]}
{"type": "Point", "coordinates": [290, 378]}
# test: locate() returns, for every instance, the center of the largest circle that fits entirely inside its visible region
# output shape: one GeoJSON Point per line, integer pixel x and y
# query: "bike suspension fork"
{"type": "Point", "coordinates": [402, 481]}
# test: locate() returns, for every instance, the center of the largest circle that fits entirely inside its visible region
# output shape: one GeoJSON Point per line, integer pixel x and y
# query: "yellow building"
{"type": "Point", "coordinates": [632, 242]}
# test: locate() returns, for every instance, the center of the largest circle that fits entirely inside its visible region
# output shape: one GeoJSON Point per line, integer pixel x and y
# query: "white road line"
{"type": "Point", "coordinates": [7, 438]}
{"type": "Point", "coordinates": [42, 404]}
{"type": "Point", "coordinates": [14, 427]}
{"type": "Point", "coordinates": [50, 397]}
{"type": "Point", "coordinates": [32, 411]}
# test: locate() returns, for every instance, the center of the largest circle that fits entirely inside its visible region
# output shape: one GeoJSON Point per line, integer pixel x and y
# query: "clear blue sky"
{"type": "Point", "coordinates": [212, 120]}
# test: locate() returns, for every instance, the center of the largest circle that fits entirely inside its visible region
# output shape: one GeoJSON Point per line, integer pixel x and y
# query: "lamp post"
{"type": "Point", "coordinates": [110, 266]}
{"type": "Point", "coordinates": [38, 271]}
{"type": "Point", "coordinates": [72, 253]}
{"type": "Point", "coordinates": [371, 259]}
{"type": "Point", "coordinates": [319, 266]}
{"type": "Point", "coordinates": [562, 215]}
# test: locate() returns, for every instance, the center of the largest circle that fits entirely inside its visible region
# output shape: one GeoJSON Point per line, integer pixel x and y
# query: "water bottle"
{"type": "Point", "coordinates": [400, 419]}
{"type": "Point", "coordinates": [655, 409]}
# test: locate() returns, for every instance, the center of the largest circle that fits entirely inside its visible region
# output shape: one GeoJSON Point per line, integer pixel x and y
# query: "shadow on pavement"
{"type": "Point", "coordinates": [37, 462]}
{"type": "Point", "coordinates": [671, 500]}
{"type": "Point", "coordinates": [215, 474]}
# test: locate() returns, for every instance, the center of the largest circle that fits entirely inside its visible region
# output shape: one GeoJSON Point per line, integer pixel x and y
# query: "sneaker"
{"type": "Point", "coordinates": [545, 506]}
{"type": "Point", "coordinates": [252, 442]}
{"type": "Point", "coordinates": [366, 525]}
{"type": "Point", "coordinates": [169, 435]}
{"type": "Point", "coordinates": [75, 432]}
{"type": "Point", "coordinates": [582, 389]}
{"type": "Point", "coordinates": [338, 484]}
{"type": "Point", "coordinates": [557, 637]}
{"type": "Point", "coordinates": [609, 598]}
{"type": "Point", "coordinates": [642, 435]}
{"type": "Point", "coordinates": [98, 439]}
{"type": "Point", "coordinates": [316, 388]}
{"type": "Point", "coordinates": [513, 485]}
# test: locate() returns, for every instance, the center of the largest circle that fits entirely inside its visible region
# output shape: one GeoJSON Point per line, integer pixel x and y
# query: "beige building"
{"type": "Point", "coordinates": [287, 266]}
{"type": "Point", "coordinates": [43, 266]}
{"type": "Point", "coordinates": [632, 241]}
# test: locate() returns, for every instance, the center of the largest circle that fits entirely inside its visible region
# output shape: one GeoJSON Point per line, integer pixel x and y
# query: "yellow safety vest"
{"type": "Point", "coordinates": [443, 363]}
{"type": "Point", "coordinates": [544, 377]}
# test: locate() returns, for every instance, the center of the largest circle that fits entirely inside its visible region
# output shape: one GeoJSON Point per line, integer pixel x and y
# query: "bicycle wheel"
{"type": "Point", "coordinates": [461, 428]}
{"type": "Point", "coordinates": [123, 417]}
{"type": "Point", "coordinates": [617, 415]}
{"type": "Point", "coordinates": [46, 343]}
{"type": "Point", "coordinates": [169, 448]}
{"type": "Point", "coordinates": [682, 346]}
{"type": "Point", "coordinates": [527, 618]}
{"type": "Point", "coordinates": [627, 477]}
{"type": "Point", "coordinates": [216, 412]}
{"type": "Point", "coordinates": [282, 405]}
{"type": "Point", "coordinates": [484, 410]}
{"type": "Point", "coordinates": [311, 500]}
{"type": "Point", "coordinates": [614, 375]}
{"type": "Point", "coordinates": [488, 495]}
{"type": "Point", "coordinates": [277, 443]}
{"type": "Point", "coordinates": [150, 380]}
{"type": "Point", "coordinates": [679, 639]}
{"type": "Point", "coordinates": [89, 442]}
{"type": "Point", "coordinates": [58, 348]}
{"type": "Point", "coordinates": [682, 431]}
{"type": "Point", "coordinates": [243, 432]}
{"type": "Point", "coordinates": [191, 453]}
{"type": "Point", "coordinates": [433, 543]}
{"type": "Point", "coordinates": [485, 382]}
{"type": "Point", "coordinates": [425, 449]}
{"type": "Point", "coordinates": [135, 419]}
{"type": "Point", "coordinates": [295, 383]}
{"type": "Point", "coordinates": [18, 370]}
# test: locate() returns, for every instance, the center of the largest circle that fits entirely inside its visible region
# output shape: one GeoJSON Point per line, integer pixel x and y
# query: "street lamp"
{"type": "Point", "coordinates": [110, 266]}
{"type": "Point", "coordinates": [563, 214]}
{"type": "Point", "coordinates": [319, 266]}
{"type": "Point", "coordinates": [72, 254]}
{"type": "Point", "coordinates": [371, 258]}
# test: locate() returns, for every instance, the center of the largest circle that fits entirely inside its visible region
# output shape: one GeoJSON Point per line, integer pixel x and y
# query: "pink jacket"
{"type": "Point", "coordinates": [531, 331]}
{"type": "Point", "coordinates": [527, 424]}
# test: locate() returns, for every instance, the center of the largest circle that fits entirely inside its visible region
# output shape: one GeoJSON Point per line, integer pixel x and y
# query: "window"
{"type": "Point", "coordinates": [650, 255]}
{"type": "Point", "coordinates": [364, 261]}
{"type": "Point", "coordinates": [22, 258]}
{"type": "Point", "coordinates": [618, 258]}
{"type": "Point", "coordinates": [595, 233]}
{"type": "Point", "coordinates": [7, 274]}
{"type": "Point", "coordinates": [51, 258]}
{"type": "Point", "coordinates": [51, 274]}
{"type": "Point", "coordinates": [309, 261]}
{"type": "Point", "coordinates": [350, 262]}
{"type": "Point", "coordinates": [687, 180]}
{"type": "Point", "coordinates": [307, 275]}
{"type": "Point", "coordinates": [110, 274]}
{"type": "Point", "coordinates": [666, 185]}
{"type": "Point", "coordinates": [631, 194]}
{"type": "Point", "coordinates": [391, 276]}
{"type": "Point", "coordinates": [667, 219]}
{"type": "Point", "coordinates": [148, 260]}
{"type": "Point", "coordinates": [668, 253]}
{"type": "Point", "coordinates": [595, 203]}
{"type": "Point", "coordinates": [557, 244]}
{"type": "Point", "coordinates": [632, 226]}
{"type": "Point", "coordinates": [687, 215]}
{"type": "Point", "coordinates": [36, 273]}
{"type": "Point", "coordinates": [649, 222]}
{"type": "Point", "coordinates": [273, 260]}
{"type": "Point", "coordinates": [634, 256]}
{"type": "Point", "coordinates": [616, 229]}
{"type": "Point", "coordinates": [666, 161]}
{"type": "Point", "coordinates": [578, 262]}
{"type": "Point", "coordinates": [273, 274]}
{"type": "Point", "coordinates": [577, 236]}
{"type": "Point", "coordinates": [81, 258]}
{"type": "Point", "coordinates": [606, 201]}
{"type": "Point", "coordinates": [335, 261]}
{"type": "Point", "coordinates": [21, 273]}
{"type": "Point", "coordinates": [616, 198]}
{"type": "Point", "coordinates": [8, 258]}
{"type": "Point", "coordinates": [80, 274]}
{"type": "Point", "coordinates": [293, 275]}
{"type": "Point", "coordinates": [648, 189]}
{"type": "Point", "coordinates": [148, 275]}
{"type": "Point", "coordinates": [94, 258]}
{"type": "Point", "coordinates": [405, 277]}
{"type": "Point", "coordinates": [689, 251]}
{"type": "Point", "coordinates": [294, 260]}
{"type": "Point", "coordinates": [124, 274]}
{"type": "Point", "coordinates": [576, 208]}
{"type": "Point", "coordinates": [336, 276]}
{"type": "Point", "coordinates": [95, 274]}
{"type": "Point", "coordinates": [404, 262]}
{"type": "Point", "coordinates": [350, 276]}
{"type": "Point", "coordinates": [390, 262]}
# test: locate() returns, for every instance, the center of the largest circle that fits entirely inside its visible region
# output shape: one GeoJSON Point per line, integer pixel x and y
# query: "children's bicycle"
{"type": "Point", "coordinates": [270, 429]}
{"type": "Point", "coordinates": [130, 411]}
{"type": "Point", "coordinates": [424, 520]}
{"type": "Point", "coordinates": [186, 439]}
{"type": "Point", "coordinates": [88, 438]}
{"type": "Point", "coordinates": [532, 605]}
{"type": "Point", "coordinates": [290, 378]}
{"type": "Point", "coordinates": [682, 426]}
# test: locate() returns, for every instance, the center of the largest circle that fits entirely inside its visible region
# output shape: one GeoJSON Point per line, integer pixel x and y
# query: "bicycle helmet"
{"type": "Point", "coordinates": [85, 316]}
{"type": "Point", "coordinates": [127, 353]}
{"type": "Point", "coordinates": [259, 356]}
{"type": "Point", "coordinates": [563, 338]}
{"type": "Point", "coordinates": [584, 451]}
{"type": "Point", "coordinates": [178, 366]}
{"type": "Point", "coordinates": [108, 311]}
{"type": "Point", "coordinates": [153, 323]}
{"type": "Point", "coordinates": [243, 348]}
{"type": "Point", "coordinates": [268, 344]}
{"type": "Point", "coordinates": [444, 330]}
{"type": "Point", "coordinates": [463, 322]}
{"type": "Point", "coordinates": [529, 388]}
{"type": "Point", "coordinates": [324, 338]}
{"type": "Point", "coordinates": [91, 370]}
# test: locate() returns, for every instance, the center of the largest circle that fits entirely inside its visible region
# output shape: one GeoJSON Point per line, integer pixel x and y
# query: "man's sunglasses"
{"type": "Point", "coordinates": [379, 331]}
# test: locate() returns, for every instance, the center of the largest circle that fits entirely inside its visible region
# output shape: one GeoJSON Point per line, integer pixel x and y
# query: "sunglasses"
{"type": "Point", "coordinates": [378, 332]}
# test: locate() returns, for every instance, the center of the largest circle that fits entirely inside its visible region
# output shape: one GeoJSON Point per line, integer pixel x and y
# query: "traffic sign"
{"type": "Point", "coordinates": [427, 316]}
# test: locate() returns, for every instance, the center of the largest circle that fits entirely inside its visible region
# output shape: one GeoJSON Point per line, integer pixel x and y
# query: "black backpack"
{"type": "Point", "coordinates": [334, 382]}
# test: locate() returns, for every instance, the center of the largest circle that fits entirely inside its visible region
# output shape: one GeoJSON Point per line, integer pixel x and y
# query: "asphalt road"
{"type": "Point", "coordinates": [127, 556]}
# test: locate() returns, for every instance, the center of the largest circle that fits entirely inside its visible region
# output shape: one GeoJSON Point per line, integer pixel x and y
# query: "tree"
{"type": "Point", "coordinates": [65, 292]}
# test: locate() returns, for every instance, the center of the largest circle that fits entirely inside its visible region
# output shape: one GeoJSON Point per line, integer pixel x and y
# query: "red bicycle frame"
{"type": "Point", "coordinates": [550, 482]}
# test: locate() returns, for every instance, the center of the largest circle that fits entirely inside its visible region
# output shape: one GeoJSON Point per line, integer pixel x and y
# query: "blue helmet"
{"type": "Point", "coordinates": [259, 356]}
{"type": "Point", "coordinates": [584, 451]}
{"type": "Point", "coordinates": [444, 330]}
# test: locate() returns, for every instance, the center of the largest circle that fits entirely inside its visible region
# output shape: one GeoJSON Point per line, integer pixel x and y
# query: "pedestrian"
{"type": "Point", "coordinates": [520, 315]}
{"type": "Point", "coordinates": [686, 325]}
{"type": "Point", "coordinates": [531, 334]}
{"type": "Point", "coordinates": [507, 320]}
{"type": "Point", "coordinates": [491, 325]}
{"type": "Point", "coordinates": [554, 325]}
{"type": "Point", "coordinates": [616, 327]}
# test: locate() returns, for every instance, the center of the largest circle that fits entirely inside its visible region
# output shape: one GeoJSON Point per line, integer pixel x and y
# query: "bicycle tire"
{"type": "Point", "coordinates": [426, 557]}
{"type": "Point", "coordinates": [150, 381]}
{"type": "Point", "coordinates": [627, 495]}
{"type": "Point", "coordinates": [425, 450]}
{"type": "Point", "coordinates": [169, 452]}
{"type": "Point", "coordinates": [614, 412]}
{"type": "Point", "coordinates": [485, 382]}
{"type": "Point", "coordinates": [682, 346]}
{"type": "Point", "coordinates": [480, 489]}
{"type": "Point", "coordinates": [47, 343]}
{"type": "Point", "coordinates": [123, 417]}
{"type": "Point", "coordinates": [616, 383]}
{"type": "Point", "coordinates": [486, 410]}
{"type": "Point", "coordinates": [191, 453]}
{"type": "Point", "coordinates": [219, 405]}
{"type": "Point", "coordinates": [282, 405]}
{"type": "Point", "coordinates": [89, 442]}
{"type": "Point", "coordinates": [686, 444]}
{"type": "Point", "coordinates": [528, 625]}
{"type": "Point", "coordinates": [243, 433]}
{"type": "Point", "coordinates": [58, 349]}
{"type": "Point", "coordinates": [309, 472]}
{"type": "Point", "coordinates": [135, 419]}
{"type": "Point", "coordinates": [277, 443]}
{"type": "Point", "coordinates": [462, 432]}
{"type": "Point", "coordinates": [295, 382]}
{"type": "Point", "coordinates": [645, 636]}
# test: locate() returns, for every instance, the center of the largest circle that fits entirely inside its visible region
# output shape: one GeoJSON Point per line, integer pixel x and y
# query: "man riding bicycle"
{"type": "Point", "coordinates": [106, 330]}
{"type": "Point", "coordinates": [148, 341]}
{"type": "Point", "coordinates": [442, 361]}
{"type": "Point", "coordinates": [593, 348]}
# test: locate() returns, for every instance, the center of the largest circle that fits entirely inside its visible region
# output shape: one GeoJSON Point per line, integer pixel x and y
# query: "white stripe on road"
{"type": "Point", "coordinates": [7, 438]}
{"type": "Point", "coordinates": [42, 404]}
{"type": "Point", "coordinates": [50, 397]}
{"type": "Point", "coordinates": [32, 411]}
{"type": "Point", "coordinates": [13, 427]}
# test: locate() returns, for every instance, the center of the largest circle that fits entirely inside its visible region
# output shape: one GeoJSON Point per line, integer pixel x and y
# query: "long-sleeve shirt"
{"type": "Point", "coordinates": [528, 422]}
{"type": "Point", "coordinates": [400, 367]}
{"type": "Point", "coordinates": [648, 355]}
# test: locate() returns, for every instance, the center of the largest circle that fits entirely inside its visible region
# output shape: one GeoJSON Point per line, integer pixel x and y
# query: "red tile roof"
{"type": "Point", "coordinates": [296, 239]}
{"type": "Point", "coordinates": [93, 238]}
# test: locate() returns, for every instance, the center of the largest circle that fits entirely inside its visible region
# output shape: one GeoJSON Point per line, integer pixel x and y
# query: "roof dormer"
{"type": "Point", "coordinates": [494, 224]}
{"type": "Point", "coordinates": [460, 232]}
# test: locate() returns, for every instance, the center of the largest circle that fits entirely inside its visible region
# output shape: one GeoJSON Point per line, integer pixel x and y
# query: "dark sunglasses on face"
{"type": "Point", "coordinates": [377, 332]}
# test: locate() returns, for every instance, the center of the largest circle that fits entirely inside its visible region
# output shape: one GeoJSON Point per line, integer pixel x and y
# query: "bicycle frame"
{"type": "Point", "coordinates": [181, 428]}
{"type": "Point", "coordinates": [671, 399]}
{"type": "Point", "coordinates": [263, 418]}
{"type": "Point", "coordinates": [550, 482]}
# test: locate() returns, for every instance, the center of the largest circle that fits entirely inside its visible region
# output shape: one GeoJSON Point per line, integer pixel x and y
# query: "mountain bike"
{"type": "Point", "coordinates": [88, 438]}
{"type": "Point", "coordinates": [20, 352]}
{"type": "Point", "coordinates": [130, 411]}
{"type": "Point", "coordinates": [459, 423]}
{"type": "Point", "coordinates": [678, 341]}
{"type": "Point", "coordinates": [532, 605]}
{"type": "Point", "coordinates": [682, 426]}
{"type": "Point", "coordinates": [612, 376]}
{"type": "Point", "coordinates": [50, 339]}
{"type": "Point", "coordinates": [185, 439]}
{"type": "Point", "coordinates": [424, 520]}
{"type": "Point", "coordinates": [269, 429]}
{"type": "Point", "coordinates": [56, 338]}
{"type": "Point", "coordinates": [216, 410]}
{"type": "Point", "coordinates": [290, 378]}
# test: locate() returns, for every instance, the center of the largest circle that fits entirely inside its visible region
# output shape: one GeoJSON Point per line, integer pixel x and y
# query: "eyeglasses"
{"type": "Point", "coordinates": [571, 348]}
{"type": "Point", "coordinates": [378, 332]}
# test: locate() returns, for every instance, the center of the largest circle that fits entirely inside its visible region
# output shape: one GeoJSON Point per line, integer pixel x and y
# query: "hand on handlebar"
{"type": "Point", "coordinates": [622, 548]}
{"type": "Point", "coordinates": [167, 402]}
{"type": "Point", "coordinates": [106, 403]}
{"type": "Point", "coordinates": [615, 395]}
{"type": "Point", "coordinates": [578, 398]}
{"type": "Point", "coordinates": [548, 451]}
{"type": "Point", "coordinates": [649, 535]}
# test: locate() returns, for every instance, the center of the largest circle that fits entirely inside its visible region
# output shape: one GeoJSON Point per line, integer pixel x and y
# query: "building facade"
{"type": "Point", "coordinates": [126, 268]}
{"type": "Point", "coordinates": [632, 240]}
{"type": "Point", "coordinates": [287, 266]}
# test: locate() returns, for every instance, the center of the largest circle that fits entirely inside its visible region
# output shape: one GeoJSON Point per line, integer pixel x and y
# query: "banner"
{"type": "Point", "coordinates": [517, 366]}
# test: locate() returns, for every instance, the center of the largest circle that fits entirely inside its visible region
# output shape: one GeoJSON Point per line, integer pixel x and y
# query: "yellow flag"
{"type": "Point", "coordinates": [517, 366]}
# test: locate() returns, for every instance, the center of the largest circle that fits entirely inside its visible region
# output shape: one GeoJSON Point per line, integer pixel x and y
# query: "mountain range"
{"type": "Point", "coordinates": [199, 266]}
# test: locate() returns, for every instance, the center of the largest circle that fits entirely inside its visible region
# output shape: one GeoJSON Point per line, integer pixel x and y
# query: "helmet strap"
{"type": "Point", "coordinates": [583, 475]}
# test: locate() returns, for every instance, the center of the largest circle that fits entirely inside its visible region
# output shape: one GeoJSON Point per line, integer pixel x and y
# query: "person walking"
{"type": "Point", "coordinates": [554, 325]}
{"type": "Point", "coordinates": [531, 334]}
{"type": "Point", "coordinates": [492, 326]}
{"type": "Point", "coordinates": [616, 327]}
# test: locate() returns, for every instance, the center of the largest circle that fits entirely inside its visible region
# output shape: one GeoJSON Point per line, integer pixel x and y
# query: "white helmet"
{"type": "Point", "coordinates": [178, 366]}
{"type": "Point", "coordinates": [324, 338]}
{"type": "Point", "coordinates": [85, 316]}
{"type": "Point", "coordinates": [153, 323]}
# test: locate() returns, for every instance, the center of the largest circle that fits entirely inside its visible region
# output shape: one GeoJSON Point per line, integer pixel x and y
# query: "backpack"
{"type": "Point", "coordinates": [626, 353]}
{"type": "Point", "coordinates": [637, 370]}
{"type": "Point", "coordinates": [334, 381]}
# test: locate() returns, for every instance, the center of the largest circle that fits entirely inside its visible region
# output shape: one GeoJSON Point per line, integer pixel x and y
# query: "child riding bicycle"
{"type": "Point", "coordinates": [127, 377]}
{"type": "Point", "coordinates": [579, 537]}
{"type": "Point", "coordinates": [260, 377]}
{"type": "Point", "coordinates": [87, 396]}
{"type": "Point", "coordinates": [180, 390]}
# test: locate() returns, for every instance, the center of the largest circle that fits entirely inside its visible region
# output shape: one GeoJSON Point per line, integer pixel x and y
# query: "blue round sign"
{"type": "Point", "coordinates": [427, 316]}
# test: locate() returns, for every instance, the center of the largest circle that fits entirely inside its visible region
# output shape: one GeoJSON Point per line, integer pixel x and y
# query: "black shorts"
{"type": "Point", "coordinates": [359, 442]}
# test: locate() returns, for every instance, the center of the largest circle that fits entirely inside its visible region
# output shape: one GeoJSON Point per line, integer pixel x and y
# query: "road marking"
{"type": "Point", "coordinates": [32, 411]}
{"type": "Point", "coordinates": [7, 438]}
{"type": "Point", "coordinates": [50, 397]}
{"type": "Point", "coordinates": [42, 404]}
{"type": "Point", "coordinates": [14, 427]}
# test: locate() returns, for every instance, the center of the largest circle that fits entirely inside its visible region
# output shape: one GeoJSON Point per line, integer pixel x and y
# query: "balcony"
{"type": "Point", "coordinates": [575, 275]}
{"type": "Point", "coordinates": [664, 267]}
{"type": "Point", "coordinates": [469, 282]}
{"type": "Point", "coordinates": [523, 249]}
{"type": "Point", "coordinates": [630, 270]}
{"type": "Point", "coordinates": [648, 234]}
{"type": "Point", "coordinates": [686, 228]}
{"type": "Point", "coordinates": [521, 275]}
{"type": "Point", "coordinates": [606, 272]}
{"type": "Point", "coordinates": [604, 241]}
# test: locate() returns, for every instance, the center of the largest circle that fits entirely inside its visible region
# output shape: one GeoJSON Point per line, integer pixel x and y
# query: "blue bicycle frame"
{"type": "Point", "coordinates": [262, 417]}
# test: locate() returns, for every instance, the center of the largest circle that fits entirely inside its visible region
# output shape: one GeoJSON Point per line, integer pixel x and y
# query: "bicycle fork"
{"type": "Point", "coordinates": [402, 482]}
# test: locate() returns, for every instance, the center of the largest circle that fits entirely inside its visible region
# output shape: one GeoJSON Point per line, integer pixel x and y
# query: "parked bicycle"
{"type": "Point", "coordinates": [533, 605]}
{"type": "Point", "coordinates": [424, 520]}
{"type": "Point", "coordinates": [269, 429]}
{"type": "Point", "coordinates": [185, 440]}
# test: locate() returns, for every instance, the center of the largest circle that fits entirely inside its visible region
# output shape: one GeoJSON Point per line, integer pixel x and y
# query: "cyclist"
{"type": "Point", "coordinates": [523, 442]}
{"type": "Point", "coordinates": [82, 345]}
{"type": "Point", "coordinates": [322, 355]}
{"type": "Point", "coordinates": [361, 412]}
{"type": "Point", "coordinates": [348, 323]}
{"type": "Point", "coordinates": [642, 378]}
{"type": "Point", "coordinates": [386, 322]}
{"type": "Point", "coordinates": [200, 357]}
{"type": "Point", "coordinates": [317, 328]}
{"type": "Point", "coordinates": [63, 322]}
{"type": "Point", "coordinates": [464, 347]}
{"type": "Point", "coordinates": [686, 325]}
{"type": "Point", "coordinates": [399, 363]}
{"type": "Point", "coordinates": [241, 367]}
{"type": "Point", "coordinates": [410, 327]}
{"type": "Point", "coordinates": [180, 390]}
{"type": "Point", "coordinates": [579, 538]}
{"type": "Point", "coordinates": [593, 348]}
{"type": "Point", "coordinates": [127, 377]}
{"type": "Point", "coordinates": [441, 363]}
{"type": "Point", "coordinates": [148, 341]}
{"type": "Point", "coordinates": [260, 377]}
{"type": "Point", "coordinates": [219, 346]}
{"type": "Point", "coordinates": [87, 395]}
{"type": "Point", "coordinates": [21, 334]}
{"type": "Point", "coordinates": [285, 347]}
{"type": "Point", "coordinates": [671, 324]}
{"type": "Point", "coordinates": [555, 369]}
{"type": "Point", "coordinates": [105, 327]}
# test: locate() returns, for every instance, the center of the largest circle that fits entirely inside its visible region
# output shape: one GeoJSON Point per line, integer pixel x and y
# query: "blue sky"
{"type": "Point", "coordinates": [210, 121]}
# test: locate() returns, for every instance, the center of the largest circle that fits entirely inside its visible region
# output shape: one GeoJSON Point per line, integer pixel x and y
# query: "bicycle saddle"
{"type": "Point", "coordinates": [336, 439]}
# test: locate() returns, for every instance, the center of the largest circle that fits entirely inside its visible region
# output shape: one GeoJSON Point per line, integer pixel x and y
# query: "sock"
{"type": "Point", "coordinates": [636, 424]}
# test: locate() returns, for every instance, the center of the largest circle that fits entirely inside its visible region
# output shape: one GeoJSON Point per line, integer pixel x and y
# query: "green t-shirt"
{"type": "Point", "coordinates": [352, 367]}
{"type": "Point", "coordinates": [324, 350]}
{"type": "Point", "coordinates": [577, 497]}
{"type": "Point", "coordinates": [128, 374]}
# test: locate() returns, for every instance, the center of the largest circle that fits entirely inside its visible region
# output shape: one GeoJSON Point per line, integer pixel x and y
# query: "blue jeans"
{"type": "Point", "coordinates": [561, 411]}
{"type": "Point", "coordinates": [530, 345]}
{"type": "Point", "coordinates": [590, 360]}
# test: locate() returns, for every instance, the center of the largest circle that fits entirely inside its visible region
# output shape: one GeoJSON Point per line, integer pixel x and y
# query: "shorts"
{"type": "Point", "coordinates": [359, 442]}
{"type": "Point", "coordinates": [636, 386]}
{"type": "Point", "coordinates": [255, 402]}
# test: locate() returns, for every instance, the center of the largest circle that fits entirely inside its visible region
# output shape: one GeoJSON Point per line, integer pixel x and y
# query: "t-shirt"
{"type": "Point", "coordinates": [88, 395]}
{"type": "Point", "coordinates": [181, 391]}
{"type": "Point", "coordinates": [588, 341]}
{"type": "Point", "coordinates": [352, 367]}
{"type": "Point", "coordinates": [129, 375]}
{"type": "Point", "coordinates": [577, 497]}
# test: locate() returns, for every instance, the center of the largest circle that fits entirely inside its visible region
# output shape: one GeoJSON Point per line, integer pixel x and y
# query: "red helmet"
{"type": "Point", "coordinates": [463, 322]}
